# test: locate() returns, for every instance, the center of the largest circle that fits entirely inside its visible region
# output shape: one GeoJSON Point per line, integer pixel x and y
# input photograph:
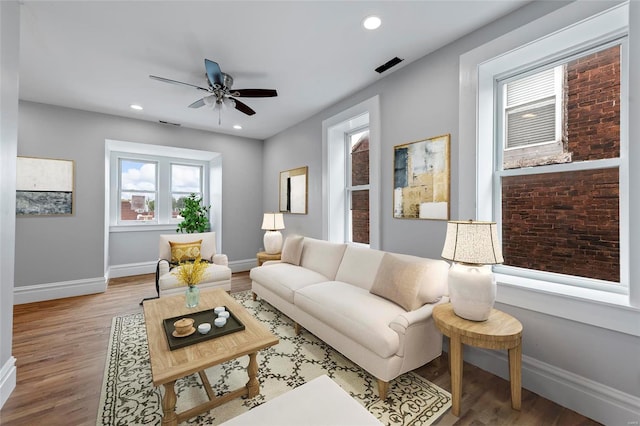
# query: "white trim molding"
{"type": "Point", "coordinates": [58, 290]}
{"type": "Point", "coordinates": [129, 269]}
{"type": "Point", "coordinates": [7, 379]}
{"type": "Point", "coordinates": [592, 399]}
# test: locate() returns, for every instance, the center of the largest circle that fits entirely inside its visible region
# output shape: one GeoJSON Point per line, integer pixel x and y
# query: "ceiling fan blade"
{"type": "Point", "coordinates": [214, 74]}
{"type": "Point", "coordinates": [166, 80]}
{"type": "Point", "coordinates": [254, 93]}
{"type": "Point", "coordinates": [242, 107]}
{"type": "Point", "coordinates": [197, 104]}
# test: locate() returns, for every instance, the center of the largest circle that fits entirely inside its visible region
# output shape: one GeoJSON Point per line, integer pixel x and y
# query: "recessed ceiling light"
{"type": "Point", "coordinates": [237, 127]}
{"type": "Point", "coordinates": [136, 107]}
{"type": "Point", "coordinates": [371, 22]}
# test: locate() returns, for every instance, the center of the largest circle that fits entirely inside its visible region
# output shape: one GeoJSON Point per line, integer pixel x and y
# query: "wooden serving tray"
{"type": "Point", "coordinates": [233, 324]}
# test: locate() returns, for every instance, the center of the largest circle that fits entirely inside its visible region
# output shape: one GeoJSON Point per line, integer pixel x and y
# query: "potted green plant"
{"type": "Point", "coordinates": [195, 215]}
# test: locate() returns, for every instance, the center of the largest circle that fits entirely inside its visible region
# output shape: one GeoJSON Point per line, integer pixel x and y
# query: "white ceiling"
{"type": "Point", "coordinates": [97, 55]}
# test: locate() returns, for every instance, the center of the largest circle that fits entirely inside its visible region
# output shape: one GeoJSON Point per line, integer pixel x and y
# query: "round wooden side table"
{"type": "Point", "coordinates": [499, 331]}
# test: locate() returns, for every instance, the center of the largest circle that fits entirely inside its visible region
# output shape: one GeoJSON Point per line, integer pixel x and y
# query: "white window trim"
{"type": "Point", "coordinates": [334, 180]}
{"type": "Point", "coordinates": [609, 310]}
{"type": "Point", "coordinates": [212, 171]}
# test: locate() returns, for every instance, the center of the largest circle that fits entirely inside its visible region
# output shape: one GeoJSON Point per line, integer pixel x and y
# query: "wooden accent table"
{"type": "Point", "coordinates": [500, 331]}
{"type": "Point", "coordinates": [263, 256]}
{"type": "Point", "coordinates": [167, 366]}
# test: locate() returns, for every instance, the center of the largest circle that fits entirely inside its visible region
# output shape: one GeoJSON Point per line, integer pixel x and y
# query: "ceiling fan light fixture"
{"type": "Point", "coordinates": [229, 103]}
{"type": "Point", "coordinates": [372, 22]}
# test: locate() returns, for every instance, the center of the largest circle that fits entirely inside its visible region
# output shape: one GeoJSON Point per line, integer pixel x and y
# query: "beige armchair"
{"type": "Point", "coordinates": [218, 273]}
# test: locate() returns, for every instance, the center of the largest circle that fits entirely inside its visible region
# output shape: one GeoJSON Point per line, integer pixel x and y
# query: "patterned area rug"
{"type": "Point", "coordinates": [129, 397]}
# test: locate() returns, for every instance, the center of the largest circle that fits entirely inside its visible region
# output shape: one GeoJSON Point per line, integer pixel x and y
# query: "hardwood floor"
{"type": "Point", "coordinates": [61, 347]}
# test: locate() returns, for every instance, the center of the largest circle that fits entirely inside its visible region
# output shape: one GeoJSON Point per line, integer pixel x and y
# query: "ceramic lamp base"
{"type": "Point", "coordinates": [272, 242]}
{"type": "Point", "coordinates": [472, 289]}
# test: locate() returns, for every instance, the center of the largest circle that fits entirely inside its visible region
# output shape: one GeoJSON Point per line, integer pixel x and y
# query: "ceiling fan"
{"type": "Point", "coordinates": [220, 92]}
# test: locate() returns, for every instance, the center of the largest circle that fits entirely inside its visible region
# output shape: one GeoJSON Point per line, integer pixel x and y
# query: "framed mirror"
{"type": "Point", "coordinates": [293, 190]}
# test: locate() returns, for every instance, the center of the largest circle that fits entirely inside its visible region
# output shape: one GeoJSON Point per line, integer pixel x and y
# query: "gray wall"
{"type": "Point", "coordinates": [72, 248]}
{"type": "Point", "coordinates": [422, 100]}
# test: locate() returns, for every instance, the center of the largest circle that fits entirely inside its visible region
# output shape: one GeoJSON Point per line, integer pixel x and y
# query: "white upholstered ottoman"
{"type": "Point", "coordinates": [320, 402]}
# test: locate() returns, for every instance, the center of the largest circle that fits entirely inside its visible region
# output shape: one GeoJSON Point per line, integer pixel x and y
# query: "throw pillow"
{"type": "Point", "coordinates": [292, 250]}
{"type": "Point", "coordinates": [399, 281]}
{"type": "Point", "coordinates": [182, 252]}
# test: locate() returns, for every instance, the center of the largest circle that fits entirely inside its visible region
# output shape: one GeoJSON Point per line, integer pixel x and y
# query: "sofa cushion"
{"type": "Point", "coordinates": [207, 249]}
{"type": "Point", "coordinates": [359, 266]}
{"type": "Point", "coordinates": [399, 280]}
{"type": "Point", "coordinates": [321, 256]}
{"type": "Point", "coordinates": [435, 283]}
{"type": "Point", "coordinates": [354, 312]}
{"type": "Point", "coordinates": [292, 249]}
{"type": "Point", "coordinates": [285, 279]}
{"type": "Point", "coordinates": [182, 252]}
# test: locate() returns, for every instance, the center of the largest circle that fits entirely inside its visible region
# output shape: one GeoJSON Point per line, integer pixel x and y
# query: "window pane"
{"type": "Point", "coordinates": [186, 178]}
{"type": "Point", "coordinates": [177, 203]}
{"type": "Point", "coordinates": [566, 223]}
{"type": "Point", "coordinates": [360, 216]}
{"type": "Point", "coordinates": [593, 105]}
{"type": "Point", "coordinates": [137, 190]}
{"type": "Point", "coordinates": [360, 158]}
{"type": "Point", "coordinates": [137, 206]}
{"type": "Point", "coordinates": [137, 175]}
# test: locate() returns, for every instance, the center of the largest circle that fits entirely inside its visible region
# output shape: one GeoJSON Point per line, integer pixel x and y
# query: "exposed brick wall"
{"type": "Point", "coordinates": [593, 105]}
{"type": "Point", "coordinates": [360, 199]}
{"type": "Point", "coordinates": [360, 216]}
{"type": "Point", "coordinates": [569, 222]}
{"type": "Point", "coordinates": [563, 222]}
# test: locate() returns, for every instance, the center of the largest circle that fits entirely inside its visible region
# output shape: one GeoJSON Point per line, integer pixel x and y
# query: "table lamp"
{"type": "Point", "coordinates": [471, 246]}
{"type": "Point", "coordinates": [272, 223]}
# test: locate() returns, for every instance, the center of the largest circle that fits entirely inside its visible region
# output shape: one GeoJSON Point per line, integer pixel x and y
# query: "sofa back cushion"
{"type": "Point", "coordinates": [207, 247]}
{"type": "Point", "coordinates": [411, 281]}
{"type": "Point", "coordinates": [324, 257]}
{"type": "Point", "coordinates": [359, 266]}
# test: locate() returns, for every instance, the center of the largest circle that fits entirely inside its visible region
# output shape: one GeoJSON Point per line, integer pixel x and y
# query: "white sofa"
{"type": "Point", "coordinates": [327, 290]}
{"type": "Point", "coordinates": [218, 273]}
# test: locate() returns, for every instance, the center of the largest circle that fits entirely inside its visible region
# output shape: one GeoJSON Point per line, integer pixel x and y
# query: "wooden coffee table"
{"type": "Point", "coordinates": [167, 366]}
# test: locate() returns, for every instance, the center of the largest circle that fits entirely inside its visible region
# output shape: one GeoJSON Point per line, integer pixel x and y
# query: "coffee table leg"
{"type": "Point", "coordinates": [515, 376]}
{"type": "Point", "coordinates": [253, 386]}
{"type": "Point", "coordinates": [169, 417]}
{"type": "Point", "coordinates": [455, 361]}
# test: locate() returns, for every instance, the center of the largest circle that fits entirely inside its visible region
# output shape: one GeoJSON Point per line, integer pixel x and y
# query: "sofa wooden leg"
{"type": "Point", "coordinates": [255, 296]}
{"type": "Point", "coordinates": [297, 328]}
{"type": "Point", "coordinates": [383, 387]}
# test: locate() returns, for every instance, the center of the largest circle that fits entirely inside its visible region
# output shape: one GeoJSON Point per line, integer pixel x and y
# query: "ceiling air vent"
{"type": "Point", "coordinates": [392, 63]}
{"type": "Point", "coordinates": [168, 123]}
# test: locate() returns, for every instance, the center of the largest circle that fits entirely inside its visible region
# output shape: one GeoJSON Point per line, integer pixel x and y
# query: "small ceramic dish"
{"type": "Point", "coordinates": [220, 322]}
{"type": "Point", "coordinates": [224, 314]}
{"type": "Point", "coordinates": [204, 328]}
{"type": "Point", "coordinates": [218, 309]}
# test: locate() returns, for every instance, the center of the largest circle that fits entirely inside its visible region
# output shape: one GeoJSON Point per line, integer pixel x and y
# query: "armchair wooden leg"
{"type": "Point", "coordinates": [255, 296]}
{"type": "Point", "coordinates": [297, 328]}
{"type": "Point", "coordinates": [383, 388]}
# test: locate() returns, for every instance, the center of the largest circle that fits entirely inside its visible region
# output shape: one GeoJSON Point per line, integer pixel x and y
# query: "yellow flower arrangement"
{"type": "Point", "coordinates": [191, 273]}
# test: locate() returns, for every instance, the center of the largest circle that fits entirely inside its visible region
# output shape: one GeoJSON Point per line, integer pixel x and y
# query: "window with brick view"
{"type": "Point", "coordinates": [567, 221]}
{"type": "Point", "coordinates": [359, 187]}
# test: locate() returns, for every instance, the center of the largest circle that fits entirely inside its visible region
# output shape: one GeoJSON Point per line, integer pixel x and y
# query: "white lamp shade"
{"type": "Point", "coordinates": [472, 242]}
{"type": "Point", "coordinates": [273, 221]}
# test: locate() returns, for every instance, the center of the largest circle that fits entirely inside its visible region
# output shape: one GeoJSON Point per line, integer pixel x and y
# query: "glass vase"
{"type": "Point", "coordinates": [192, 296]}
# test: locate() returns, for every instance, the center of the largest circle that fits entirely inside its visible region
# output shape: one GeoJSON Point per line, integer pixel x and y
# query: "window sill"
{"type": "Point", "coordinates": [143, 228]}
{"type": "Point", "coordinates": [594, 307]}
